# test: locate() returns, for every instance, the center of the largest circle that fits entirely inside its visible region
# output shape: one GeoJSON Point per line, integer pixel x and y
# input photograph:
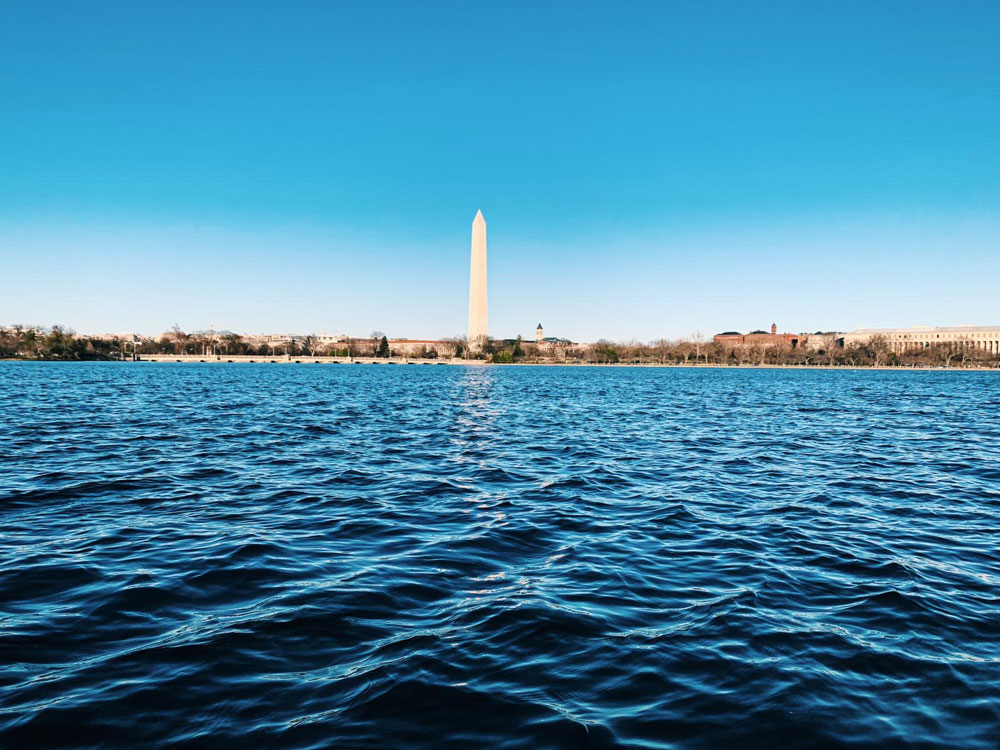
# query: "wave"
{"type": "Point", "coordinates": [513, 558]}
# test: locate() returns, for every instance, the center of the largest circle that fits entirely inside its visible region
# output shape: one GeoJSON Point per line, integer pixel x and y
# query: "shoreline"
{"type": "Point", "coordinates": [713, 366]}
{"type": "Point", "coordinates": [195, 359]}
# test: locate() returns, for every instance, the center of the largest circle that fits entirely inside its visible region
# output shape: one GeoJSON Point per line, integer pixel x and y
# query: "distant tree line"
{"type": "Point", "coordinates": [60, 343]}
{"type": "Point", "coordinates": [56, 342]}
{"type": "Point", "coordinates": [876, 352]}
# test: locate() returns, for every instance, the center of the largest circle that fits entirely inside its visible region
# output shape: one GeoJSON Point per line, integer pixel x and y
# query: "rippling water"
{"type": "Point", "coordinates": [310, 556]}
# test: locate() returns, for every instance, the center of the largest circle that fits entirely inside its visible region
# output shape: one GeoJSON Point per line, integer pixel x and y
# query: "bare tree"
{"type": "Point", "coordinates": [311, 344]}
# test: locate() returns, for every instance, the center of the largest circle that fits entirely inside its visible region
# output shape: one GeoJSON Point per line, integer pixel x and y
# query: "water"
{"type": "Point", "coordinates": [310, 556]}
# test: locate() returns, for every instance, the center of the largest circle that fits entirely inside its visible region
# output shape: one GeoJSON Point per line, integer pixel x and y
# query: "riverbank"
{"type": "Point", "coordinates": [250, 359]}
{"type": "Point", "coordinates": [716, 366]}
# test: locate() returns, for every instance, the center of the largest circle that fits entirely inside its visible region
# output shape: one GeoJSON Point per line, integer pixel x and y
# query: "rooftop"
{"type": "Point", "coordinates": [928, 329]}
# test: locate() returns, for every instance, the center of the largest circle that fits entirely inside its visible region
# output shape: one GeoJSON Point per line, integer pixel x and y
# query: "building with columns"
{"type": "Point", "coordinates": [901, 340]}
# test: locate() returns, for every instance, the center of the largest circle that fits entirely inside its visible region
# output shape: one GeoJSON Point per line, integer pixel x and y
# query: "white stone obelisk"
{"type": "Point", "coordinates": [477, 285]}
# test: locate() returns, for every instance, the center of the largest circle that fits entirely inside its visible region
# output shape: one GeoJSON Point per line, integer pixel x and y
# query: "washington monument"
{"type": "Point", "coordinates": [477, 284]}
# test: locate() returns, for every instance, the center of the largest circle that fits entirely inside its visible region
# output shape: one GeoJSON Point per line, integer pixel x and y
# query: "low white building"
{"type": "Point", "coordinates": [127, 336]}
{"type": "Point", "coordinates": [901, 340]}
{"type": "Point", "coordinates": [325, 338]}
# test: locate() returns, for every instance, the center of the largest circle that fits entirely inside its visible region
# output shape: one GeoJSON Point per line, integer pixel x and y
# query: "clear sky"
{"type": "Point", "coordinates": [645, 169]}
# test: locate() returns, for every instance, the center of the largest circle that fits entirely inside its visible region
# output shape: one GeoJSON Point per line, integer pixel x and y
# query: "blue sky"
{"type": "Point", "coordinates": [646, 169]}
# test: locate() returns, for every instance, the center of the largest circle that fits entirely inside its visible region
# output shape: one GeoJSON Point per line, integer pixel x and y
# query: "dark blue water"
{"type": "Point", "coordinates": [311, 556]}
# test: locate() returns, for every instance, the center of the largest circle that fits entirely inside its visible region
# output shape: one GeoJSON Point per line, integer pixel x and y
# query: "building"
{"type": "Point", "coordinates": [901, 340]}
{"type": "Point", "coordinates": [331, 339]}
{"type": "Point", "coordinates": [478, 324]}
{"type": "Point", "coordinates": [172, 336]}
{"type": "Point", "coordinates": [277, 339]}
{"type": "Point", "coordinates": [784, 340]}
{"type": "Point", "coordinates": [127, 336]}
{"type": "Point", "coordinates": [541, 338]}
{"type": "Point", "coordinates": [18, 329]}
{"type": "Point", "coordinates": [422, 348]}
{"type": "Point", "coordinates": [823, 341]}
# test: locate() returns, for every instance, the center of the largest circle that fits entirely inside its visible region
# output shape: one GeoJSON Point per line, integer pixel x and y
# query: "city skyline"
{"type": "Point", "coordinates": [126, 306]}
{"type": "Point", "coordinates": [316, 169]}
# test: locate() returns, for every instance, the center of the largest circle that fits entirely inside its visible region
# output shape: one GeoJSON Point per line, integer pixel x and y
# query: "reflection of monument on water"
{"type": "Point", "coordinates": [477, 285]}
